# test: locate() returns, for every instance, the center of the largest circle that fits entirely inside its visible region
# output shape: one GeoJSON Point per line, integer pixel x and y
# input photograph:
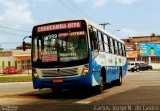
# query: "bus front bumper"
{"type": "Point", "coordinates": [69, 82]}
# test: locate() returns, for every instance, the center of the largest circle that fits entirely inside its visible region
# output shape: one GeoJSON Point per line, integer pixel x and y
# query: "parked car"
{"type": "Point", "coordinates": [144, 66]}
{"type": "Point", "coordinates": [134, 68]}
{"type": "Point", "coordinates": [132, 64]}
{"type": "Point", "coordinates": [10, 70]}
{"type": "Point", "coordinates": [140, 67]}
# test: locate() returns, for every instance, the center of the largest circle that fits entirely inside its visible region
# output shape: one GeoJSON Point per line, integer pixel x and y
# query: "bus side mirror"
{"type": "Point", "coordinates": [24, 45]}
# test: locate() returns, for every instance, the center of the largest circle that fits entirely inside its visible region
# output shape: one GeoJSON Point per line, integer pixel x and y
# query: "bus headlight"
{"type": "Point", "coordinates": [34, 73]}
{"type": "Point", "coordinates": [85, 70]}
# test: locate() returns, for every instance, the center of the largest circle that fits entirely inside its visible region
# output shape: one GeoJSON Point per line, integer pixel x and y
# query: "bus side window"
{"type": "Point", "coordinates": [116, 47]}
{"type": "Point", "coordinates": [93, 39]}
{"type": "Point", "coordinates": [101, 41]}
{"type": "Point", "coordinates": [120, 49]}
{"type": "Point", "coordinates": [106, 44]}
{"type": "Point", "coordinates": [123, 50]}
{"type": "Point", "coordinates": [111, 46]}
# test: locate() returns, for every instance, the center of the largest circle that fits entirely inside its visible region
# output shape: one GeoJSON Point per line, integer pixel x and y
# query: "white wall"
{"type": "Point", "coordinates": [5, 60]}
{"type": "Point", "coordinates": [155, 65]}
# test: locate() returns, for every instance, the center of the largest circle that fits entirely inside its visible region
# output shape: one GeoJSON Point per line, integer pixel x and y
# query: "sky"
{"type": "Point", "coordinates": [130, 17]}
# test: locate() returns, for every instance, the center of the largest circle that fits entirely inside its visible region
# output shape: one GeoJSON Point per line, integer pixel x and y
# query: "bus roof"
{"type": "Point", "coordinates": [89, 23]}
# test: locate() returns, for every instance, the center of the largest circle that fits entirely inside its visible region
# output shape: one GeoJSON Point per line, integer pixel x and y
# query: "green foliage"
{"type": "Point", "coordinates": [15, 79]}
{"type": "Point", "coordinates": [1, 49]}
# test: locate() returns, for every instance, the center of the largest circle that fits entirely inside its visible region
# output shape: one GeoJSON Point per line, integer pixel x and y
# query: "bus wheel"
{"type": "Point", "coordinates": [99, 88]}
{"type": "Point", "coordinates": [119, 81]}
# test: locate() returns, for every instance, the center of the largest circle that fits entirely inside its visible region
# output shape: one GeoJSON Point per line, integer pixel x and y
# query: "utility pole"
{"type": "Point", "coordinates": [104, 25]}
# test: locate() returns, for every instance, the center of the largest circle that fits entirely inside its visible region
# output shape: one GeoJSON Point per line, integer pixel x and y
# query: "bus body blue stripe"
{"type": "Point", "coordinates": [68, 82]}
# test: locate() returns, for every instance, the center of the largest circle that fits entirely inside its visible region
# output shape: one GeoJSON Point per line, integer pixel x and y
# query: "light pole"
{"type": "Point", "coordinates": [115, 31]}
{"type": "Point", "coordinates": [136, 48]}
{"type": "Point", "coordinates": [104, 25]}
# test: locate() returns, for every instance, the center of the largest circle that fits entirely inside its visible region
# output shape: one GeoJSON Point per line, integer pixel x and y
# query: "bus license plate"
{"type": "Point", "coordinates": [57, 80]}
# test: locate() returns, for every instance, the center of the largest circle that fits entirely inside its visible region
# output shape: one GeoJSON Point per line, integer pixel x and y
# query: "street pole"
{"type": "Point", "coordinates": [115, 31]}
{"type": "Point", "coordinates": [104, 25]}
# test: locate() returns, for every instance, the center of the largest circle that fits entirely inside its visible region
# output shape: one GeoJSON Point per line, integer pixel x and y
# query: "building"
{"type": "Point", "coordinates": [144, 48]}
{"type": "Point", "coordinates": [17, 58]}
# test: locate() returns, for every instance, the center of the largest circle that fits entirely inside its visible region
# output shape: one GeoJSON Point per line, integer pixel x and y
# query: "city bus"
{"type": "Point", "coordinates": [75, 53]}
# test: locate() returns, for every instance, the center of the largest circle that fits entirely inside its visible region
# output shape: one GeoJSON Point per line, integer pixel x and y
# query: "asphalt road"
{"type": "Point", "coordinates": [140, 91]}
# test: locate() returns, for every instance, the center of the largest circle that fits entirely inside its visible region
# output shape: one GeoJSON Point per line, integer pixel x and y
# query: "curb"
{"type": "Point", "coordinates": [15, 83]}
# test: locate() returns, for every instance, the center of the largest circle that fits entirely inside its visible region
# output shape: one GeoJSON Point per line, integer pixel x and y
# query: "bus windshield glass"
{"type": "Point", "coordinates": [60, 47]}
{"type": "Point", "coordinates": [59, 43]}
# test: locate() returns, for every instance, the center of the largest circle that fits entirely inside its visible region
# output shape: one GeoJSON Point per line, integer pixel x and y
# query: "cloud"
{"type": "Point", "coordinates": [40, 1]}
{"type": "Point", "coordinates": [78, 1]}
{"type": "Point", "coordinates": [99, 3]}
{"type": "Point", "coordinates": [3, 39]}
{"type": "Point", "coordinates": [95, 3]}
{"type": "Point", "coordinates": [127, 2]}
{"type": "Point", "coordinates": [16, 13]}
{"type": "Point", "coordinates": [126, 32]}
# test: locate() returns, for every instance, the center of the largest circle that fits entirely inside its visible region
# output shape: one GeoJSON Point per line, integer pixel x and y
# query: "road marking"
{"type": "Point", "coordinates": [93, 99]}
{"type": "Point", "coordinates": [126, 86]}
{"type": "Point", "coordinates": [82, 102]}
{"type": "Point", "coordinates": [106, 93]}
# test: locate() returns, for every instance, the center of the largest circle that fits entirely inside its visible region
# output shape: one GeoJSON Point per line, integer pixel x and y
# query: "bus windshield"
{"type": "Point", "coordinates": [59, 46]}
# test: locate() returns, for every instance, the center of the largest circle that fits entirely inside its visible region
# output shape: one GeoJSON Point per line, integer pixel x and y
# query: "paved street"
{"type": "Point", "coordinates": [139, 91]}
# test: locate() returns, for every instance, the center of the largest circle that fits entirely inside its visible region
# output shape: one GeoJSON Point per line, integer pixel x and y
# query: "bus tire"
{"type": "Point", "coordinates": [99, 88]}
{"type": "Point", "coordinates": [119, 80]}
{"type": "Point", "coordinates": [103, 74]}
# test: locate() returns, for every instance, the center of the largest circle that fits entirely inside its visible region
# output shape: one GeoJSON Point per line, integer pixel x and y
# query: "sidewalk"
{"type": "Point", "coordinates": [11, 75]}
{"type": "Point", "coordinates": [15, 83]}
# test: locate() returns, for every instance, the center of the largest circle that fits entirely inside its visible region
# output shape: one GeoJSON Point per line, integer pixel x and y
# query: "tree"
{"type": "Point", "coordinates": [1, 48]}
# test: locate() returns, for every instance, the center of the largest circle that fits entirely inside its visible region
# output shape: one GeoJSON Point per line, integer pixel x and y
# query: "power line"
{"type": "Point", "coordinates": [11, 33]}
{"type": "Point", "coordinates": [11, 43]}
{"type": "Point", "coordinates": [9, 28]}
{"type": "Point", "coordinates": [73, 5]}
{"type": "Point", "coordinates": [78, 9]}
{"type": "Point", "coordinates": [67, 7]}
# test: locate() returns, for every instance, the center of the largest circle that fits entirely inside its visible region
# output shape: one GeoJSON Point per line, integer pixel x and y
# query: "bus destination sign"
{"type": "Point", "coordinates": [59, 26]}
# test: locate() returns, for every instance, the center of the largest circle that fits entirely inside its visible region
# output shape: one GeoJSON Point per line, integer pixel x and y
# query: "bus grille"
{"type": "Point", "coordinates": [59, 72]}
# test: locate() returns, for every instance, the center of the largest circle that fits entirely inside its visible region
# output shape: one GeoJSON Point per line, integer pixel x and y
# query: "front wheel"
{"type": "Point", "coordinates": [138, 69]}
{"type": "Point", "coordinates": [99, 89]}
{"type": "Point", "coordinates": [132, 70]}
